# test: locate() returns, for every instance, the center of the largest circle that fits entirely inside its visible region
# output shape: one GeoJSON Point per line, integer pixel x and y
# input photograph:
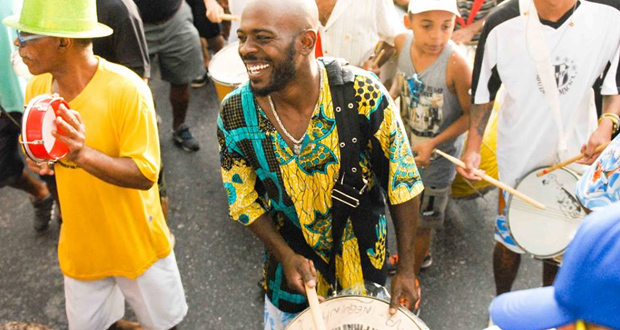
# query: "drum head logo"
{"type": "Point", "coordinates": [565, 71]}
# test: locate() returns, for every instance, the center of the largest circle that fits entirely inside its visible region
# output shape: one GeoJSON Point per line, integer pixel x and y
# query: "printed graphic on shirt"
{"type": "Point", "coordinates": [421, 107]}
{"type": "Point", "coordinates": [565, 71]}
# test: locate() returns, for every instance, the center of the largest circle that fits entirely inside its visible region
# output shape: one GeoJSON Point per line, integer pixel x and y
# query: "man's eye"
{"type": "Point", "coordinates": [262, 38]}
{"type": "Point", "coordinates": [241, 38]}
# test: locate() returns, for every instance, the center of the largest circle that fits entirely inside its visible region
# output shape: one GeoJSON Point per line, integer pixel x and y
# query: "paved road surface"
{"type": "Point", "coordinates": [220, 261]}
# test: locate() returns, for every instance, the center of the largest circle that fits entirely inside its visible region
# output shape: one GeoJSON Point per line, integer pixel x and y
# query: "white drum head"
{"type": "Point", "coordinates": [358, 312]}
{"type": "Point", "coordinates": [227, 68]}
{"type": "Point", "coordinates": [49, 125]}
{"type": "Point", "coordinates": [545, 233]}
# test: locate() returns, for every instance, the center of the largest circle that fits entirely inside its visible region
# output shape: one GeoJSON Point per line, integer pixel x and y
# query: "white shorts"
{"type": "Point", "coordinates": [157, 297]}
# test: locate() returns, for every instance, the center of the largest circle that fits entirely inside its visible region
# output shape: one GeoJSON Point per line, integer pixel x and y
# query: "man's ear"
{"type": "Point", "coordinates": [64, 43]}
{"type": "Point", "coordinates": [308, 41]}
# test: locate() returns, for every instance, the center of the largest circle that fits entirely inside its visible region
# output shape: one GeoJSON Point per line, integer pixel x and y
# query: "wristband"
{"type": "Point", "coordinates": [615, 120]}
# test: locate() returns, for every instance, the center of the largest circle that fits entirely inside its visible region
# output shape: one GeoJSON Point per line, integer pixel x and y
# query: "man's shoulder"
{"type": "Point", "coordinates": [501, 14]}
{"type": "Point", "coordinates": [232, 115]}
{"type": "Point", "coordinates": [607, 4]}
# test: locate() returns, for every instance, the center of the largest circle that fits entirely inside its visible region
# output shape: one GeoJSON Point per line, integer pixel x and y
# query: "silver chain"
{"type": "Point", "coordinates": [296, 142]}
{"type": "Point", "coordinates": [288, 135]}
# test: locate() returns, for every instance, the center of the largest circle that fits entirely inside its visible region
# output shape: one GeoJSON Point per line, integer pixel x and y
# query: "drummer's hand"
{"type": "Point", "coordinates": [424, 152]}
{"type": "Point", "coordinates": [601, 136]}
{"type": "Point", "coordinates": [214, 11]}
{"type": "Point", "coordinates": [404, 291]}
{"type": "Point", "coordinates": [299, 270]}
{"type": "Point", "coordinates": [41, 168]}
{"type": "Point", "coordinates": [70, 131]}
{"type": "Point", "coordinates": [370, 66]}
{"type": "Point", "coordinates": [472, 162]}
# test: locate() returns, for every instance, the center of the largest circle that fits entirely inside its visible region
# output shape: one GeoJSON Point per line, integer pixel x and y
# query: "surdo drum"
{"type": "Point", "coordinates": [358, 312]}
{"type": "Point", "coordinates": [227, 70]}
{"type": "Point", "coordinates": [38, 122]}
{"type": "Point", "coordinates": [546, 233]}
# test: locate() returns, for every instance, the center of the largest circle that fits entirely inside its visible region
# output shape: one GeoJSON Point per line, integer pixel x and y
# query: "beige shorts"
{"type": "Point", "coordinates": [157, 297]}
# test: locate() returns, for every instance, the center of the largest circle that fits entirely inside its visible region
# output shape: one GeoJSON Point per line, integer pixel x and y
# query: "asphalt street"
{"type": "Point", "coordinates": [220, 261]}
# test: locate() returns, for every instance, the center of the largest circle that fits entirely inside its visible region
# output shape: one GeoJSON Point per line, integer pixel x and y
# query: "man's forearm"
{"type": "Point", "coordinates": [122, 172]}
{"type": "Point", "coordinates": [405, 218]}
{"type": "Point", "coordinates": [265, 230]}
{"type": "Point", "coordinates": [478, 119]}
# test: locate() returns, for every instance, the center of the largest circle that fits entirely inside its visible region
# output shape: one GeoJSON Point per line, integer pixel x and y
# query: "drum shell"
{"type": "Point", "coordinates": [35, 119]}
{"type": "Point", "coordinates": [358, 312]}
{"type": "Point", "coordinates": [227, 70]}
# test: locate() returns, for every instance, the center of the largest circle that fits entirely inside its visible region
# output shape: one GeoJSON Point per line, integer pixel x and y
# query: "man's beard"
{"type": "Point", "coordinates": [282, 74]}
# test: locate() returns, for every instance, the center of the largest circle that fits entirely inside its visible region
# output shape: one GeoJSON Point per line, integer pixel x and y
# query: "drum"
{"type": "Point", "coordinates": [227, 70]}
{"type": "Point", "coordinates": [358, 312]}
{"type": "Point", "coordinates": [545, 233]}
{"type": "Point", "coordinates": [38, 122]}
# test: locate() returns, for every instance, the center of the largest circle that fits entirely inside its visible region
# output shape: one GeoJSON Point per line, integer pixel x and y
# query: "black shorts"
{"type": "Point", "coordinates": [11, 164]}
{"type": "Point", "coordinates": [206, 29]}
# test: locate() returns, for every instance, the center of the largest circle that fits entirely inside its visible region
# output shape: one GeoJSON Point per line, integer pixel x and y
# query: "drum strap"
{"type": "Point", "coordinates": [3, 111]}
{"type": "Point", "coordinates": [350, 189]}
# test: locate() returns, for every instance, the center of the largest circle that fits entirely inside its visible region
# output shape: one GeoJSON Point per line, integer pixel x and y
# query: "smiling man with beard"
{"type": "Point", "coordinates": [284, 150]}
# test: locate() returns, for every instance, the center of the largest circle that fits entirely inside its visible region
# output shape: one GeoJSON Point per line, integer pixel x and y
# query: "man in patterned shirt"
{"type": "Point", "coordinates": [280, 154]}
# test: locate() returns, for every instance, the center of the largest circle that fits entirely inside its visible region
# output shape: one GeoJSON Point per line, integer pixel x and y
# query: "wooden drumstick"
{"type": "Point", "coordinates": [570, 161]}
{"type": "Point", "coordinates": [493, 181]}
{"type": "Point", "coordinates": [378, 58]}
{"type": "Point", "coordinates": [313, 301]}
{"type": "Point", "coordinates": [229, 17]}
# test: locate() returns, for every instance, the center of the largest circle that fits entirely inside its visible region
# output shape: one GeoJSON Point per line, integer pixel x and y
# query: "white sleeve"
{"type": "Point", "coordinates": [486, 80]}
{"type": "Point", "coordinates": [611, 81]}
{"type": "Point", "coordinates": [388, 24]}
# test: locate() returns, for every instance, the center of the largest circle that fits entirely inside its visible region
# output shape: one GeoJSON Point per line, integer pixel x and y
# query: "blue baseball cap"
{"type": "Point", "coordinates": [587, 286]}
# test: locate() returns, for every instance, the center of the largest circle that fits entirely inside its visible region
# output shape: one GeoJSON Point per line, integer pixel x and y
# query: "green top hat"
{"type": "Point", "coordinates": [59, 18]}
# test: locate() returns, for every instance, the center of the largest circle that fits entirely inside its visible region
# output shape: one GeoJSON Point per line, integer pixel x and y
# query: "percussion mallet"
{"type": "Point", "coordinates": [313, 301]}
{"type": "Point", "coordinates": [570, 161]}
{"type": "Point", "coordinates": [229, 17]}
{"type": "Point", "coordinates": [492, 180]}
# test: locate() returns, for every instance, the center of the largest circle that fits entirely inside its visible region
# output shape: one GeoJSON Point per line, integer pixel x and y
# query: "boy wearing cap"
{"type": "Point", "coordinates": [433, 84]}
{"type": "Point", "coordinates": [585, 293]}
{"type": "Point", "coordinates": [114, 244]}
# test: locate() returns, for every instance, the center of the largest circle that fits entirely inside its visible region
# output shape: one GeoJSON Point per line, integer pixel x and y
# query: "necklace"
{"type": "Point", "coordinates": [296, 142]}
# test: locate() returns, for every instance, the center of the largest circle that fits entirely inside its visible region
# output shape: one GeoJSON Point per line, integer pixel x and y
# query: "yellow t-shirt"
{"type": "Point", "coordinates": [108, 230]}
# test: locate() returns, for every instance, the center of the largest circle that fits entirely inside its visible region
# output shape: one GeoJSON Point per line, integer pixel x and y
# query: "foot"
{"type": "Point", "coordinates": [43, 213]}
{"type": "Point", "coordinates": [126, 325]}
{"type": "Point", "coordinates": [200, 81]}
{"type": "Point", "coordinates": [184, 139]}
{"type": "Point", "coordinates": [428, 261]}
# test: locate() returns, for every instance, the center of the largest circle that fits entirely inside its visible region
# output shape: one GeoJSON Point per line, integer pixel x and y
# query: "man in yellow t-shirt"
{"type": "Point", "coordinates": [114, 243]}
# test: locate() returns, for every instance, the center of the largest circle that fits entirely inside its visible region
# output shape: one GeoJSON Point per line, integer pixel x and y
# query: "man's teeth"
{"type": "Point", "coordinates": [255, 69]}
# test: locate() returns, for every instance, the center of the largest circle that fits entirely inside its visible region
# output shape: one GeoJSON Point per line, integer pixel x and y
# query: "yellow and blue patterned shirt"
{"type": "Point", "coordinates": [261, 174]}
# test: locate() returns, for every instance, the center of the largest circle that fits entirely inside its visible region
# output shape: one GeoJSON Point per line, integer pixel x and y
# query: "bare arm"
{"type": "Point", "coordinates": [611, 104]}
{"type": "Point", "coordinates": [122, 172]}
{"type": "Point", "coordinates": [478, 119]}
{"type": "Point", "coordinates": [405, 218]}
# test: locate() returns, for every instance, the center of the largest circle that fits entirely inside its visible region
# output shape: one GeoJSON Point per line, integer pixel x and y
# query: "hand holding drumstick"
{"type": "Point", "coordinates": [571, 160]}
{"type": "Point", "coordinates": [493, 181]}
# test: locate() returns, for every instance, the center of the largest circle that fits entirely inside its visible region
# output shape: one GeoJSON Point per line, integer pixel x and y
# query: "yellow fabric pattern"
{"type": "Point", "coordinates": [108, 230]}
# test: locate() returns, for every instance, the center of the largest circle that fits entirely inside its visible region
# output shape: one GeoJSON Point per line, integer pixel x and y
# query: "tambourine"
{"type": "Point", "coordinates": [38, 123]}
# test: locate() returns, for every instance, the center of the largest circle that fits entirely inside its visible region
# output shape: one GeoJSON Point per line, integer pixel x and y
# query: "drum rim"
{"type": "Point", "coordinates": [212, 65]}
{"type": "Point", "coordinates": [50, 98]}
{"type": "Point", "coordinates": [509, 202]}
{"type": "Point", "coordinates": [400, 308]}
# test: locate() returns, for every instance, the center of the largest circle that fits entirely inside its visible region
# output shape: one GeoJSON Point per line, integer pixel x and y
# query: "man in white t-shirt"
{"type": "Point", "coordinates": [583, 40]}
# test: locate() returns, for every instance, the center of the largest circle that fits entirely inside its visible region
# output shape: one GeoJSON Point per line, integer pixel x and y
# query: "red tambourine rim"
{"type": "Point", "coordinates": [59, 150]}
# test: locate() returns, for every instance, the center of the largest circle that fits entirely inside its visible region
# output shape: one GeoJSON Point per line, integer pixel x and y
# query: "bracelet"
{"type": "Point", "coordinates": [615, 120]}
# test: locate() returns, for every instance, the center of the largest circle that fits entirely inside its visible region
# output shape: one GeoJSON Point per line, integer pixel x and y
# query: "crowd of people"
{"type": "Point", "coordinates": [347, 105]}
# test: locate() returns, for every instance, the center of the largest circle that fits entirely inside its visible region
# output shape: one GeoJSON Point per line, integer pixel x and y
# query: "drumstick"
{"type": "Point", "coordinates": [229, 17]}
{"type": "Point", "coordinates": [570, 161]}
{"type": "Point", "coordinates": [378, 58]}
{"type": "Point", "coordinates": [313, 301]}
{"type": "Point", "coordinates": [492, 180]}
